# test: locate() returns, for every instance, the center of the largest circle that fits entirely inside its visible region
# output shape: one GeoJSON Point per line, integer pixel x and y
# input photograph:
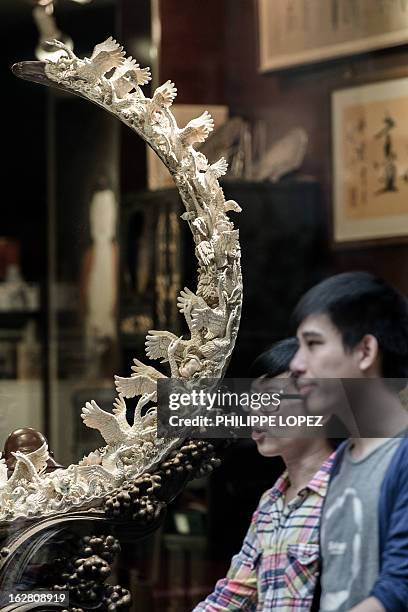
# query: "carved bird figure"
{"type": "Point", "coordinates": [167, 346]}
{"type": "Point", "coordinates": [129, 76]}
{"type": "Point", "coordinates": [215, 348]}
{"type": "Point", "coordinates": [188, 300]}
{"type": "Point", "coordinates": [113, 427]}
{"type": "Point", "coordinates": [143, 380]}
{"type": "Point", "coordinates": [218, 168]}
{"type": "Point", "coordinates": [105, 56]}
{"type": "Point", "coordinates": [158, 342]}
{"type": "Point", "coordinates": [164, 95]}
{"type": "Point", "coordinates": [209, 175]}
{"type": "Point", "coordinates": [197, 130]}
{"type": "Point", "coordinates": [187, 303]}
{"type": "Point", "coordinates": [162, 99]}
{"type": "Point", "coordinates": [28, 466]}
{"type": "Point", "coordinates": [214, 320]}
{"type": "Point", "coordinates": [226, 243]}
{"type": "Point", "coordinates": [214, 172]}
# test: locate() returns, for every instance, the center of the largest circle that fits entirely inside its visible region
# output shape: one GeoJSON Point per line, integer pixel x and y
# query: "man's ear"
{"type": "Point", "coordinates": [368, 353]}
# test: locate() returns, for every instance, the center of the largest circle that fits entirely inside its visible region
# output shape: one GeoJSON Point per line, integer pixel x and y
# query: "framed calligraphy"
{"type": "Point", "coordinates": [295, 32]}
{"type": "Point", "coordinates": [370, 162]}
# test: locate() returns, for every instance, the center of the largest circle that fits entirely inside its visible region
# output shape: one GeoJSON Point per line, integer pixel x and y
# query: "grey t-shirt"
{"type": "Point", "coordinates": [349, 537]}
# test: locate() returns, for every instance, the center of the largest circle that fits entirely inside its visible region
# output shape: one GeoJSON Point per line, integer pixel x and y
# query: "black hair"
{"type": "Point", "coordinates": [275, 360]}
{"type": "Point", "coordinates": [359, 303]}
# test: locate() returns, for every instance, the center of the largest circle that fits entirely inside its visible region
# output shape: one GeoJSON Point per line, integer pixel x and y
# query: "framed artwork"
{"type": "Point", "coordinates": [370, 162]}
{"type": "Point", "coordinates": [295, 32]}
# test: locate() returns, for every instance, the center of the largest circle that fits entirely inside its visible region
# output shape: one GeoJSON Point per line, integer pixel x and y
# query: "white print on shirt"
{"type": "Point", "coordinates": [337, 548]}
{"type": "Point", "coordinates": [332, 600]}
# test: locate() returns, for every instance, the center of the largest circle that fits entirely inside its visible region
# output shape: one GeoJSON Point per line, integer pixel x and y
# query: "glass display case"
{"type": "Point", "coordinates": [93, 256]}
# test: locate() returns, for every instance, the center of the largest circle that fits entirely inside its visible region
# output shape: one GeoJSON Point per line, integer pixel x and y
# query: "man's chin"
{"type": "Point", "coordinates": [268, 445]}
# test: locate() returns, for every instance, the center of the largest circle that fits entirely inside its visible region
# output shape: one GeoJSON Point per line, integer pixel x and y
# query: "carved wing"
{"type": "Point", "coordinates": [126, 66]}
{"type": "Point", "coordinates": [216, 346]}
{"type": "Point", "coordinates": [93, 458]}
{"type": "Point", "coordinates": [210, 319]}
{"type": "Point", "coordinates": [88, 473]}
{"type": "Point", "coordinates": [119, 410]}
{"type": "Point", "coordinates": [29, 464]}
{"type": "Point", "coordinates": [134, 385]}
{"type": "Point", "coordinates": [132, 69]}
{"type": "Point", "coordinates": [219, 168]}
{"type": "Point", "coordinates": [143, 380]}
{"type": "Point", "coordinates": [187, 300]}
{"type": "Point", "coordinates": [107, 55]}
{"type": "Point", "coordinates": [141, 75]}
{"type": "Point", "coordinates": [105, 61]}
{"type": "Point", "coordinates": [141, 369]}
{"type": "Point", "coordinates": [197, 130]}
{"type": "Point", "coordinates": [106, 423]}
{"type": "Point", "coordinates": [165, 94]}
{"type": "Point", "coordinates": [158, 342]}
{"type": "Point", "coordinates": [22, 471]}
{"type": "Point", "coordinates": [110, 46]}
{"type": "Point", "coordinates": [213, 349]}
{"type": "Point", "coordinates": [39, 457]}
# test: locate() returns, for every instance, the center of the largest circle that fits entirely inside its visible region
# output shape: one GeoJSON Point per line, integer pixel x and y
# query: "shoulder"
{"type": "Point", "coordinates": [337, 458]}
{"type": "Point", "coordinates": [266, 501]}
{"type": "Point", "coordinates": [393, 504]}
{"type": "Point", "coordinates": [403, 446]}
{"type": "Point", "coordinates": [269, 497]}
{"type": "Point", "coordinates": [399, 463]}
{"type": "Point", "coordinates": [394, 489]}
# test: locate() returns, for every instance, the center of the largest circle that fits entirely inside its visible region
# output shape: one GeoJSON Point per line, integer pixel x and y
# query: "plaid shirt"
{"type": "Point", "coordinates": [278, 564]}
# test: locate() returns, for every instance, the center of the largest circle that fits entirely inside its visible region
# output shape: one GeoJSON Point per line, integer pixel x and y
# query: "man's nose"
{"type": "Point", "coordinates": [298, 364]}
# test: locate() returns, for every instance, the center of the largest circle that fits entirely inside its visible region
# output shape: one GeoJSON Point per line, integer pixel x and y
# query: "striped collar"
{"type": "Point", "coordinates": [318, 484]}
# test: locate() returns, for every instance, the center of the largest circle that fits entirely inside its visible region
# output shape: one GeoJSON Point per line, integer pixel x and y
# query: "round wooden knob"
{"type": "Point", "coordinates": [26, 440]}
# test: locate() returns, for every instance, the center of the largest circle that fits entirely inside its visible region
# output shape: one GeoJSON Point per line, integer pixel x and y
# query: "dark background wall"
{"type": "Point", "coordinates": [23, 160]}
{"type": "Point", "coordinates": [26, 119]}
